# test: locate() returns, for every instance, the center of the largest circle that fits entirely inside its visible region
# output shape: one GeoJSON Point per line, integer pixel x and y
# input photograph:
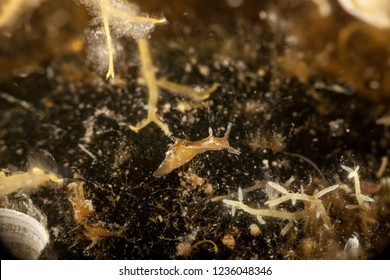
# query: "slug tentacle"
{"type": "Point", "coordinates": [182, 151]}
{"type": "Point", "coordinates": [210, 132]}
{"type": "Point", "coordinates": [228, 129]}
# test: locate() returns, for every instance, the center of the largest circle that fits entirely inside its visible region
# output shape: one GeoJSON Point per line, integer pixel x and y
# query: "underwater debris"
{"type": "Point", "coordinates": [84, 212]}
{"type": "Point", "coordinates": [191, 181]}
{"type": "Point", "coordinates": [96, 232]}
{"type": "Point", "coordinates": [385, 120]}
{"type": "Point", "coordinates": [229, 241]}
{"type": "Point", "coordinates": [123, 19]}
{"type": "Point", "coordinates": [193, 94]}
{"type": "Point", "coordinates": [185, 249]}
{"type": "Point", "coordinates": [182, 151]}
{"type": "Point", "coordinates": [254, 230]}
{"type": "Point", "coordinates": [82, 207]}
{"type": "Point", "coordinates": [352, 248]}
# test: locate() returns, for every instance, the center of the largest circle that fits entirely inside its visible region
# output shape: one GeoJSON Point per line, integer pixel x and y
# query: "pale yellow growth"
{"type": "Point", "coordinates": [110, 49]}
{"type": "Point", "coordinates": [28, 180]}
{"type": "Point", "coordinates": [382, 167]}
{"type": "Point", "coordinates": [353, 173]}
{"type": "Point", "coordinates": [136, 19]}
{"type": "Point", "coordinates": [8, 11]}
{"type": "Point", "coordinates": [84, 210]}
{"type": "Point", "coordinates": [385, 120]}
{"type": "Point", "coordinates": [104, 6]}
{"type": "Point", "coordinates": [186, 91]}
{"type": "Point", "coordinates": [266, 212]}
{"type": "Point", "coordinates": [314, 202]}
{"type": "Point", "coordinates": [147, 71]}
{"type": "Point", "coordinates": [121, 20]}
{"type": "Point", "coordinates": [296, 196]}
{"type": "Point", "coordinates": [150, 77]}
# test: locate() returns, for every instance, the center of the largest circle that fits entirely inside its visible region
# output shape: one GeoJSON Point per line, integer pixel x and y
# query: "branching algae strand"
{"type": "Point", "coordinates": [153, 84]}
{"type": "Point", "coordinates": [313, 201]}
{"type": "Point", "coordinates": [121, 19]}
{"type": "Point", "coordinates": [262, 212]}
{"type": "Point", "coordinates": [149, 75]}
{"type": "Point", "coordinates": [353, 174]}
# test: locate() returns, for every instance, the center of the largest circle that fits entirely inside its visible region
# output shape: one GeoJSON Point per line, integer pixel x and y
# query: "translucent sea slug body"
{"type": "Point", "coordinates": [182, 151]}
{"type": "Point", "coordinates": [28, 180]}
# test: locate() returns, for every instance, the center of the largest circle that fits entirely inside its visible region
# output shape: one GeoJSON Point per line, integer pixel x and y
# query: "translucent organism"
{"type": "Point", "coordinates": [84, 212]}
{"type": "Point", "coordinates": [35, 177]}
{"type": "Point", "coordinates": [182, 151]}
{"type": "Point", "coordinates": [373, 12]}
{"type": "Point", "coordinates": [41, 170]}
{"type": "Point", "coordinates": [83, 208]}
{"type": "Point", "coordinates": [352, 248]}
